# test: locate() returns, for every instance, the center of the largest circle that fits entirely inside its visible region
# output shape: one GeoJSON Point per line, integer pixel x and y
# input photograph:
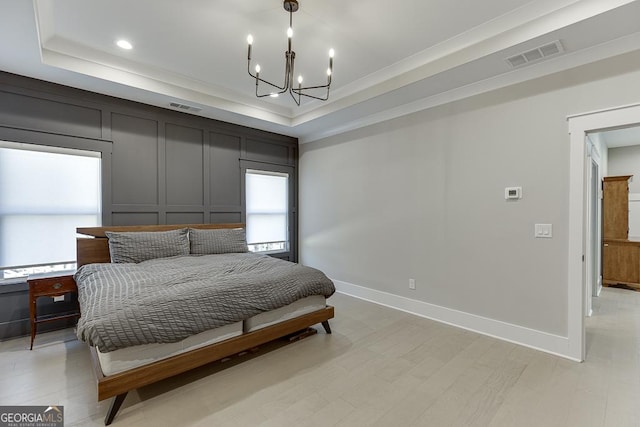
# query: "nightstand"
{"type": "Point", "coordinates": [49, 286]}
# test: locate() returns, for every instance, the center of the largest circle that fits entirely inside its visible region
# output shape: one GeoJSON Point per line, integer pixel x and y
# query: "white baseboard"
{"type": "Point", "coordinates": [549, 343]}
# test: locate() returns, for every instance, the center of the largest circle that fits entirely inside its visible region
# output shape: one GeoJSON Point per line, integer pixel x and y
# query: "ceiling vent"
{"type": "Point", "coordinates": [535, 55]}
{"type": "Point", "coordinates": [185, 107]}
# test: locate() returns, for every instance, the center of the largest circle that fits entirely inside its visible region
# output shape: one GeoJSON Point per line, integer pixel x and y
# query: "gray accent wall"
{"type": "Point", "coordinates": [422, 197]}
{"type": "Point", "coordinates": [158, 166]}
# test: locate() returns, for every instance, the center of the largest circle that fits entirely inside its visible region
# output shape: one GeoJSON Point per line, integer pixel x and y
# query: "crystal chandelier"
{"type": "Point", "coordinates": [296, 92]}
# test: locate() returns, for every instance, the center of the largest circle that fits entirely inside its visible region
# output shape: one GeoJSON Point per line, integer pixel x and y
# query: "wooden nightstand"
{"type": "Point", "coordinates": [49, 286]}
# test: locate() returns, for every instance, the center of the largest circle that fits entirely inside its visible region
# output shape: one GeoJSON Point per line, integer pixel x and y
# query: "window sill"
{"type": "Point", "coordinates": [276, 252]}
{"type": "Point", "coordinates": [56, 273]}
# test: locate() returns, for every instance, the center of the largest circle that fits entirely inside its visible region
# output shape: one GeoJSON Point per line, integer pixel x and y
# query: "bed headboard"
{"type": "Point", "coordinates": [95, 248]}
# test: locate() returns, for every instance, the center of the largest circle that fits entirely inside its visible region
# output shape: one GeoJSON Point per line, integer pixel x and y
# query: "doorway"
{"type": "Point", "coordinates": [593, 262]}
{"type": "Point", "coordinates": [582, 230]}
{"type": "Point", "coordinates": [595, 227]}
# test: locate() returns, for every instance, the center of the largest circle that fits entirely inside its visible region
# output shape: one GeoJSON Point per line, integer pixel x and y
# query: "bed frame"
{"type": "Point", "coordinates": [95, 249]}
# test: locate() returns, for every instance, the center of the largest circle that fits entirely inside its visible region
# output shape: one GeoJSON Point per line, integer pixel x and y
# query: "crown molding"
{"type": "Point", "coordinates": [520, 25]}
{"type": "Point", "coordinates": [606, 50]}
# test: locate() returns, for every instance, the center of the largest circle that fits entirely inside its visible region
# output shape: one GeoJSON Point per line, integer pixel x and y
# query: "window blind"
{"type": "Point", "coordinates": [266, 206]}
{"type": "Point", "coordinates": [45, 193]}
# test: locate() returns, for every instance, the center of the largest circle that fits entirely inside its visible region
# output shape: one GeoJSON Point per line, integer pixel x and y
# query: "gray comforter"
{"type": "Point", "coordinates": [169, 299]}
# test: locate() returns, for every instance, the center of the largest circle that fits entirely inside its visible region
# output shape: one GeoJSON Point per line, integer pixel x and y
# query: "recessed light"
{"type": "Point", "coordinates": [123, 44]}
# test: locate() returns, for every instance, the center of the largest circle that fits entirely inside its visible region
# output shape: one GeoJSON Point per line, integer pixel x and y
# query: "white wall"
{"type": "Point", "coordinates": [626, 161]}
{"type": "Point", "coordinates": [422, 197]}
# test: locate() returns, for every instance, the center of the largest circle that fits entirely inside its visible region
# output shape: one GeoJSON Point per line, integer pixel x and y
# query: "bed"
{"type": "Point", "coordinates": [128, 361]}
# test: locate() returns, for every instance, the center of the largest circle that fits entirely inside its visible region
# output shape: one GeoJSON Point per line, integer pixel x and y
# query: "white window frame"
{"type": "Point", "coordinates": [286, 247]}
{"type": "Point", "coordinates": [9, 274]}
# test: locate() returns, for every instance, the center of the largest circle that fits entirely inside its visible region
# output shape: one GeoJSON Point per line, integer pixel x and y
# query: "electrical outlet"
{"type": "Point", "coordinates": [412, 283]}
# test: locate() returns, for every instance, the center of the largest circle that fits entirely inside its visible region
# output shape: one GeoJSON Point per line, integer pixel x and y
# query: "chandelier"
{"type": "Point", "coordinates": [288, 86]}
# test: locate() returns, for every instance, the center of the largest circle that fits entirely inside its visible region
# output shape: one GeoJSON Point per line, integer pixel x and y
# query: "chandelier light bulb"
{"type": "Point", "coordinates": [257, 68]}
{"type": "Point", "coordinates": [328, 71]}
{"type": "Point", "coordinates": [249, 41]}
{"type": "Point", "coordinates": [290, 32]}
{"type": "Point", "coordinates": [331, 52]}
{"type": "Point", "coordinates": [299, 79]}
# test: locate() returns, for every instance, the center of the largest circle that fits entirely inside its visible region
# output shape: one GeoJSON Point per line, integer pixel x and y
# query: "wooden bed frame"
{"type": "Point", "coordinates": [96, 250]}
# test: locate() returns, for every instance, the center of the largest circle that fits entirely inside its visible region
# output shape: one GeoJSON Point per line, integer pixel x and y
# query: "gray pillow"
{"type": "Point", "coordinates": [217, 241]}
{"type": "Point", "coordinates": [140, 246]}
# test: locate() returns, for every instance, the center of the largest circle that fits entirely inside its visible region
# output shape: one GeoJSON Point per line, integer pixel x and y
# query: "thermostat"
{"type": "Point", "coordinates": [511, 193]}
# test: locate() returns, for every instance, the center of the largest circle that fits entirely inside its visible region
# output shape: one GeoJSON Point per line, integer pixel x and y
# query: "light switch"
{"type": "Point", "coordinates": [543, 231]}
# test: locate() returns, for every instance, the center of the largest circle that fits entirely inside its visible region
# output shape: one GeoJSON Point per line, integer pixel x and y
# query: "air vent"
{"type": "Point", "coordinates": [185, 107]}
{"type": "Point", "coordinates": [535, 55]}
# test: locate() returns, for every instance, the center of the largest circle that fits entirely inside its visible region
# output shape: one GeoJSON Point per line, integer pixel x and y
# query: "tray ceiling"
{"type": "Point", "coordinates": [392, 58]}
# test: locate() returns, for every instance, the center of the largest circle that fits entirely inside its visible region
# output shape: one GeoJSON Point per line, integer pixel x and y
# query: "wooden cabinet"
{"type": "Point", "coordinates": [621, 261]}
{"type": "Point", "coordinates": [615, 207]}
{"type": "Point", "coordinates": [620, 256]}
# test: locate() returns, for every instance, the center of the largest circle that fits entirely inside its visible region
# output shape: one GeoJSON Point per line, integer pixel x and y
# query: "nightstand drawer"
{"type": "Point", "coordinates": [53, 286]}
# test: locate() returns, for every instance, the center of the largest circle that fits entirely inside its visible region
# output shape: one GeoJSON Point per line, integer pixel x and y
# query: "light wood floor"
{"type": "Point", "coordinates": [381, 367]}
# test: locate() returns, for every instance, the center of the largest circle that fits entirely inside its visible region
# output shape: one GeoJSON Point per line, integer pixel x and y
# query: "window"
{"type": "Point", "coordinates": [45, 193]}
{"type": "Point", "coordinates": [267, 210]}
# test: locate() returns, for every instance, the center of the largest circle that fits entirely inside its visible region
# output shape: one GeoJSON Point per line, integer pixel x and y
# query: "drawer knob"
{"type": "Point", "coordinates": [57, 285]}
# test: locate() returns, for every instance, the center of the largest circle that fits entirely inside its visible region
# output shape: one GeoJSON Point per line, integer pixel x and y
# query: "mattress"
{"type": "Point", "coordinates": [124, 359]}
{"type": "Point", "coordinates": [295, 309]}
{"type": "Point", "coordinates": [139, 355]}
